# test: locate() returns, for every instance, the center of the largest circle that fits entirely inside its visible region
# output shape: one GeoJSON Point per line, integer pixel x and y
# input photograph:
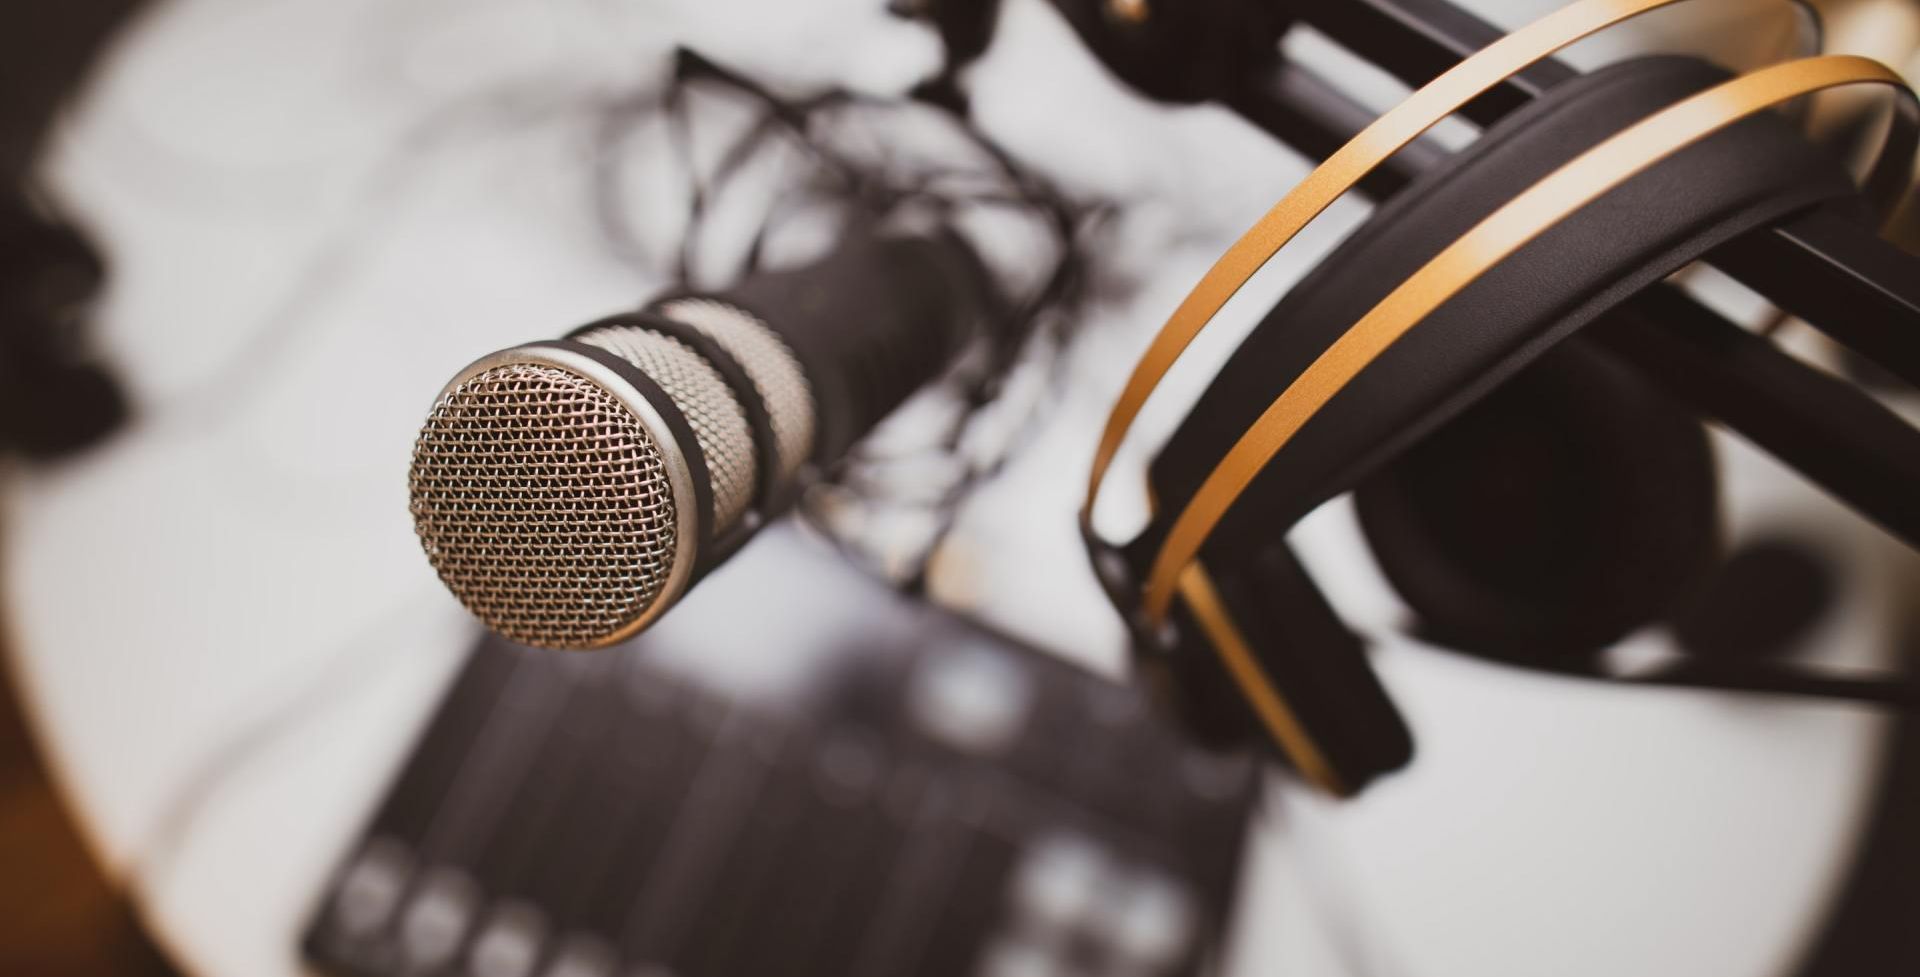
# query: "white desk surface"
{"type": "Point", "coordinates": [227, 636]}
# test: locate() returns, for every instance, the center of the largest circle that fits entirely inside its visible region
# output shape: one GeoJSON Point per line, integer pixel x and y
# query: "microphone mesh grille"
{"type": "Point", "coordinates": [544, 505]}
{"type": "Point", "coordinates": [709, 405]}
{"type": "Point", "coordinates": [769, 363]}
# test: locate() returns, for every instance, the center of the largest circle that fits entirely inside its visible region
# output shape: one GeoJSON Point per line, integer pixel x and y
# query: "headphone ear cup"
{"type": "Point", "coordinates": [1571, 506]}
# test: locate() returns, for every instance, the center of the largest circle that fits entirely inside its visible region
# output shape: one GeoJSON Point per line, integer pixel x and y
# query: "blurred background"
{"type": "Point", "coordinates": [265, 232]}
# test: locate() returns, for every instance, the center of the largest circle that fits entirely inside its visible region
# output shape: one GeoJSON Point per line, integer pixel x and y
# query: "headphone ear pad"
{"type": "Point", "coordinates": [1571, 506]}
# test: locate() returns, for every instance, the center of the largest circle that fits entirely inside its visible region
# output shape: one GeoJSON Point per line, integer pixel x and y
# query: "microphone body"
{"type": "Point", "coordinates": [569, 491]}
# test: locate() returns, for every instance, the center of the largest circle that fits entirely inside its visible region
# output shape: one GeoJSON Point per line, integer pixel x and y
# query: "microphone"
{"type": "Point", "coordinates": [568, 492]}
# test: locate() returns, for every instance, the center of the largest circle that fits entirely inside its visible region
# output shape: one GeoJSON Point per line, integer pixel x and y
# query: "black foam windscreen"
{"type": "Point", "coordinates": [871, 322]}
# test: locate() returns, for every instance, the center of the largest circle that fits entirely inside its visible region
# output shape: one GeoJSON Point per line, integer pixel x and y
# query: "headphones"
{"type": "Point", "coordinates": [1531, 497]}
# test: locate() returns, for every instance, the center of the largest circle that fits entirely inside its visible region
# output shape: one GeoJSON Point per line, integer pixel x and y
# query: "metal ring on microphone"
{"type": "Point", "coordinates": [1339, 173]}
{"type": "Point", "coordinates": [1529, 214]}
{"type": "Point", "coordinates": [677, 447]}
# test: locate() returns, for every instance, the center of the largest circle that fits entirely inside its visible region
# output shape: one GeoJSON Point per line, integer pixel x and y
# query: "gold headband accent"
{"type": "Point", "coordinates": [1391, 132]}
{"type": "Point", "coordinates": [1535, 210]}
{"type": "Point", "coordinates": [1269, 705]}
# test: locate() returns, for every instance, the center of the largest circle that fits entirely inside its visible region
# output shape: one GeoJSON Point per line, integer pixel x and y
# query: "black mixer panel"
{"type": "Point", "coordinates": [965, 807]}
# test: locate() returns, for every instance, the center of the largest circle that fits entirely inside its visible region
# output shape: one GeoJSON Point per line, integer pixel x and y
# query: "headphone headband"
{"type": "Point", "coordinates": [1351, 163]}
{"type": "Point", "coordinates": [1531, 213]}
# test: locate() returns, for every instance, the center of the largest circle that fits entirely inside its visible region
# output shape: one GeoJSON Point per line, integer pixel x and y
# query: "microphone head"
{"type": "Point", "coordinates": [553, 499]}
{"type": "Point", "coordinates": [556, 499]}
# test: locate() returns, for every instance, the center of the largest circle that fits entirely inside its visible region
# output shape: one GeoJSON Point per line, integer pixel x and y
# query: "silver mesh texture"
{"type": "Point", "coordinates": [709, 405]}
{"type": "Point", "coordinates": [543, 504]}
{"type": "Point", "coordinates": [768, 362]}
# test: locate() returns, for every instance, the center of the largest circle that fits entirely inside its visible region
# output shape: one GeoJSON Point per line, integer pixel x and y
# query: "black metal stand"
{"type": "Point", "coordinates": [1837, 275]}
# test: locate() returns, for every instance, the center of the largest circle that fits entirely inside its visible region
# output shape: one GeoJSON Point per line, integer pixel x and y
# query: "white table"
{"type": "Point", "coordinates": [226, 635]}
